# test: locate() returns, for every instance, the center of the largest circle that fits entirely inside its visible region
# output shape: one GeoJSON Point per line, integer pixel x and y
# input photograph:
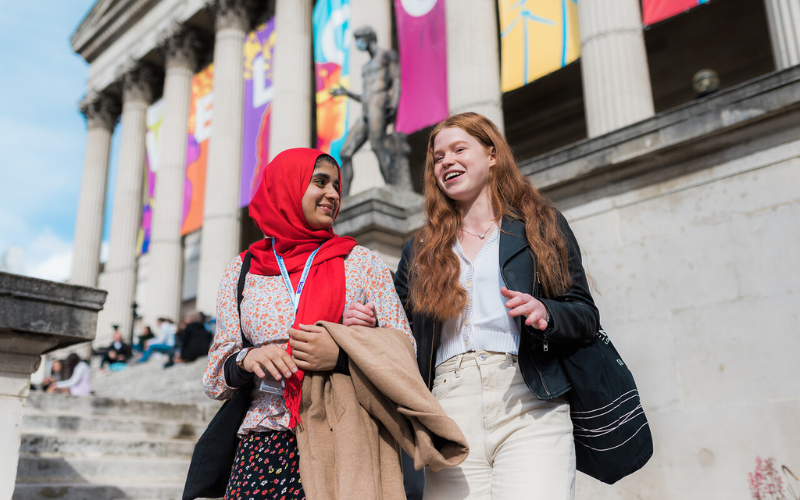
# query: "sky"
{"type": "Point", "coordinates": [42, 134]}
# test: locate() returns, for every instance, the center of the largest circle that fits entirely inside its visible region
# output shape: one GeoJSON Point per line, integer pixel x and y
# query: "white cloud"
{"type": "Point", "coordinates": [48, 256]}
{"type": "Point", "coordinates": [56, 267]}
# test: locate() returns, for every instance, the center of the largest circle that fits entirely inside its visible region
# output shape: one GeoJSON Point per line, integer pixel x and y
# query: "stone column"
{"type": "Point", "coordinates": [290, 125]}
{"type": "Point", "coordinates": [120, 269]}
{"type": "Point", "coordinates": [378, 15]}
{"type": "Point", "coordinates": [473, 59]}
{"type": "Point", "coordinates": [784, 29]}
{"type": "Point", "coordinates": [221, 222]}
{"type": "Point", "coordinates": [166, 254]}
{"type": "Point", "coordinates": [101, 112]}
{"type": "Point", "coordinates": [616, 80]}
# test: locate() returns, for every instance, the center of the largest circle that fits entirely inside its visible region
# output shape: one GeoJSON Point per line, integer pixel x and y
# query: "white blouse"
{"type": "Point", "coordinates": [484, 324]}
{"type": "Point", "coordinates": [80, 383]}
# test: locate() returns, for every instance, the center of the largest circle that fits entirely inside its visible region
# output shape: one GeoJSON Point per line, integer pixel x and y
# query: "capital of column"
{"type": "Point", "coordinates": [181, 47]}
{"type": "Point", "coordinates": [138, 81]}
{"type": "Point", "coordinates": [230, 14]}
{"type": "Point", "coordinates": [100, 109]}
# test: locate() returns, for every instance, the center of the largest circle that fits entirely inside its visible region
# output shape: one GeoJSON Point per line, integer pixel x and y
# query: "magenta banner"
{"type": "Point", "coordinates": [422, 43]}
{"type": "Point", "coordinates": [258, 93]}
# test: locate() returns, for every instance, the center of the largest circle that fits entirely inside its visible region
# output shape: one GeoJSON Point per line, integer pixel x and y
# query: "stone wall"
{"type": "Point", "coordinates": [699, 285]}
{"type": "Point", "coordinates": [688, 223]}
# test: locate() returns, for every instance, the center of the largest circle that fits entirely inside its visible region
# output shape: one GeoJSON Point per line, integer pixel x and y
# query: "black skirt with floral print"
{"type": "Point", "coordinates": [267, 466]}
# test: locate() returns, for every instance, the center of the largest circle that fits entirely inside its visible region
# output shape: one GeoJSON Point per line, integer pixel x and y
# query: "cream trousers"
{"type": "Point", "coordinates": [520, 447]}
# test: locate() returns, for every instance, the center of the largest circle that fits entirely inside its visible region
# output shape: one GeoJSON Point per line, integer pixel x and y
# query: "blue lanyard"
{"type": "Point", "coordinates": [295, 296]}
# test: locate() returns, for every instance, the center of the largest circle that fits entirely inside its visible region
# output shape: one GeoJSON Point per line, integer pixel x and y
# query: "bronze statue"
{"type": "Point", "coordinates": [381, 79]}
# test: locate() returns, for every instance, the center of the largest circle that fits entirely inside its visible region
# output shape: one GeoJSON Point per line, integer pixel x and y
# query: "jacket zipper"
{"type": "Point", "coordinates": [541, 377]}
{"type": "Point", "coordinates": [536, 284]}
{"type": "Point", "coordinates": [545, 346]}
{"type": "Point", "coordinates": [430, 362]}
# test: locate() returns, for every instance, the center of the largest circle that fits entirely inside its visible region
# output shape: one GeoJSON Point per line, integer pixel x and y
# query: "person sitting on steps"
{"type": "Point", "coordinates": [164, 343]}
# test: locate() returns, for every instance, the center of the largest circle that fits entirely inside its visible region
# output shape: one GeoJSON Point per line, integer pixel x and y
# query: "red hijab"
{"type": "Point", "coordinates": [277, 210]}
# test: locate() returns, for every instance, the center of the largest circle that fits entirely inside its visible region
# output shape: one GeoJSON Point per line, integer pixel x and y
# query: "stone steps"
{"type": "Point", "coordinates": [100, 444]}
{"type": "Point", "coordinates": [113, 424]}
{"type": "Point", "coordinates": [104, 448]}
{"type": "Point", "coordinates": [69, 469]}
{"type": "Point", "coordinates": [96, 405]}
{"type": "Point", "coordinates": [86, 491]}
{"type": "Point", "coordinates": [182, 383]}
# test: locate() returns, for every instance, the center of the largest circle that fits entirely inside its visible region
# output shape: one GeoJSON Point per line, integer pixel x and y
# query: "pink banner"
{"type": "Point", "coordinates": [422, 43]}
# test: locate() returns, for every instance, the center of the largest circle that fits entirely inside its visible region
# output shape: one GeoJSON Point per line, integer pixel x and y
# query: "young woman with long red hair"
{"type": "Point", "coordinates": [301, 273]}
{"type": "Point", "coordinates": [495, 291]}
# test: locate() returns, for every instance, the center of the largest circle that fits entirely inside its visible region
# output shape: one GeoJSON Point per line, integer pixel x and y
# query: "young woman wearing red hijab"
{"type": "Point", "coordinates": [294, 206]}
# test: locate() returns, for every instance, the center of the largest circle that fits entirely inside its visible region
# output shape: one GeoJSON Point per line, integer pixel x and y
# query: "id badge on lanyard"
{"type": "Point", "coordinates": [294, 295]}
{"type": "Point", "coordinates": [269, 385]}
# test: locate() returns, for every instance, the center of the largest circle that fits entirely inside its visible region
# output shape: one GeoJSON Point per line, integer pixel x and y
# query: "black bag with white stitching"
{"type": "Point", "coordinates": [611, 433]}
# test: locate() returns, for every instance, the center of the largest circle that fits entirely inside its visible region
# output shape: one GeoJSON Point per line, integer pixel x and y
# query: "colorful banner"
{"type": "Point", "coordinates": [422, 43]}
{"type": "Point", "coordinates": [654, 11]}
{"type": "Point", "coordinates": [201, 110]}
{"type": "Point", "coordinates": [155, 115]}
{"type": "Point", "coordinates": [332, 39]}
{"type": "Point", "coordinates": [258, 93]}
{"type": "Point", "coordinates": [537, 38]}
{"type": "Point", "coordinates": [257, 57]}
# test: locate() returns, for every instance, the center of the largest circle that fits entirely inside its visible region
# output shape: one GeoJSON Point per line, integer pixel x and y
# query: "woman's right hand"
{"type": "Point", "coordinates": [360, 315]}
{"type": "Point", "coordinates": [269, 359]}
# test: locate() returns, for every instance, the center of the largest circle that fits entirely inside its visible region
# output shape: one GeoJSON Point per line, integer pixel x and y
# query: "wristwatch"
{"type": "Point", "coordinates": [240, 357]}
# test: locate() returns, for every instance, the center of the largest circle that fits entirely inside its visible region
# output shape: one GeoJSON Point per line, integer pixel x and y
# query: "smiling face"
{"type": "Point", "coordinates": [321, 199]}
{"type": "Point", "coordinates": [461, 164]}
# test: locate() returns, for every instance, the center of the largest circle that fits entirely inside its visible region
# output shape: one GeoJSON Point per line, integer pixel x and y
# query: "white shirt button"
{"type": "Point", "coordinates": [466, 322]}
{"type": "Point", "coordinates": [469, 284]}
{"type": "Point", "coordinates": [466, 342]}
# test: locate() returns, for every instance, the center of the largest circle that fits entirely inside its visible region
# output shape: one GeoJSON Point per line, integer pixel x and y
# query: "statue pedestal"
{"type": "Point", "coordinates": [381, 219]}
{"type": "Point", "coordinates": [38, 316]}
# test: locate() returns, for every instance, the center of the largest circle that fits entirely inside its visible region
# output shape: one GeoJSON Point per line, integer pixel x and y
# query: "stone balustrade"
{"type": "Point", "coordinates": [37, 316]}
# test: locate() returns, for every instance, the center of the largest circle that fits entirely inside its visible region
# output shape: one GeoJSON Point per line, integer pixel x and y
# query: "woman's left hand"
{"type": "Point", "coordinates": [360, 315]}
{"type": "Point", "coordinates": [313, 348]}
{"type": "Point", "coordinates": [522, 304]}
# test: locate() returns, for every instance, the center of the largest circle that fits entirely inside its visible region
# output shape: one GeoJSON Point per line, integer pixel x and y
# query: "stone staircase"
{"type": "Point", "coordinates": [104, 448]}
{"type": "Point", "coordinates": [182, 383]}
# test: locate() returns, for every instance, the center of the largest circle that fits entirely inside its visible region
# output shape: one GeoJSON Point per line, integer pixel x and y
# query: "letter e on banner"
{"type": "Point", "coordinates": [262, 89]}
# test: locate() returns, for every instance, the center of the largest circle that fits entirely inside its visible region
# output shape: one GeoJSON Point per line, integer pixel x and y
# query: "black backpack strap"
{"type": "Point", "coordinates": [240, 295]}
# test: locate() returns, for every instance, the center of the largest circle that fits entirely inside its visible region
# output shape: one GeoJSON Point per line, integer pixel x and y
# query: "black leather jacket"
{"type": "Point", "coordinates": [574, 319]}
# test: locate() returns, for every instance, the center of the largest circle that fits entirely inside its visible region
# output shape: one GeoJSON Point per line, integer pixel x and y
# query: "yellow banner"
{"type": "Point", "coordinates": [537, 37]}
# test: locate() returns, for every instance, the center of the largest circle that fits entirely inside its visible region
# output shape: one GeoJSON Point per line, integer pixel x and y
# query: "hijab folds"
{"type": "Point", "coordinates": [277, 210]}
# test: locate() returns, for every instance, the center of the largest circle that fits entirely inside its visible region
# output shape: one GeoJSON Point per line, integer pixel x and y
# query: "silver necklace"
{"type": "Point", "coordinates": [481, 236]}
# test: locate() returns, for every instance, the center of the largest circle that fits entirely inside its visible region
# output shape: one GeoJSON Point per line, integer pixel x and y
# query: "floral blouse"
{"type": "Point", "coordinates": [267, 315]}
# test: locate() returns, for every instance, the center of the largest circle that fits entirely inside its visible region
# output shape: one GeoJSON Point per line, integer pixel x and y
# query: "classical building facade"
{"type": "Point", "coordinates": [686, 202]}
